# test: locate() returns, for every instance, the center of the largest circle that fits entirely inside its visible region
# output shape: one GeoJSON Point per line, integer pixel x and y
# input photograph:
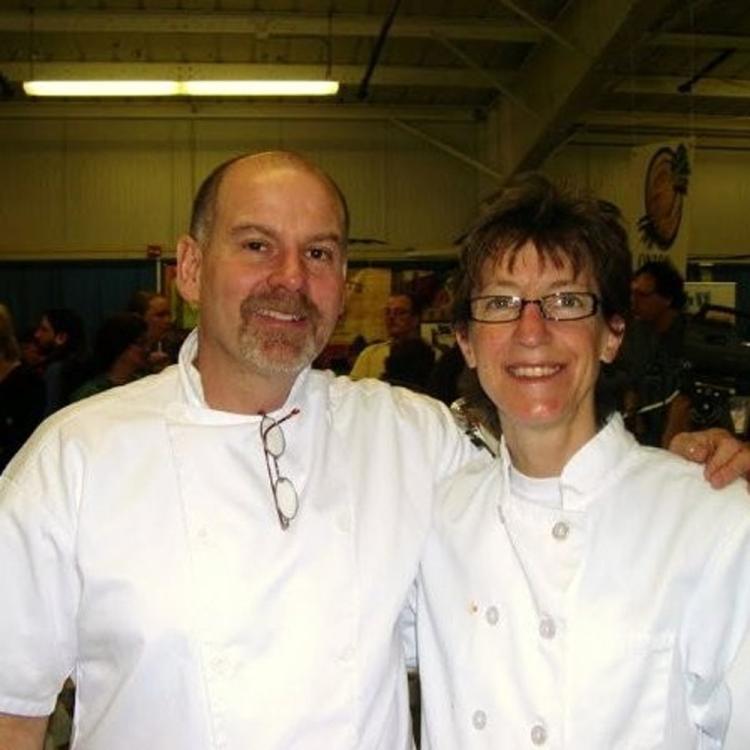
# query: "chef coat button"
{"type": "Point", "coordinates": [492, 615]}
{"type": "Point", "coordinates": [547, 628]}
{"type": "Point", "coordinates": [538, 734]}
{"type": "Point", "coordinates": [560, 531]}
{"type": "Point", "coordinates": [479, 720]}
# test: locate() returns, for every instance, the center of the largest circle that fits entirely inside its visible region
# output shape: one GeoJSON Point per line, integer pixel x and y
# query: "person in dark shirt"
{"type": "Point", "coordinates": [120, 351]}
{"type": "Point", "coordinates": [61, 337]}
{"type": "Point", "coordinates": [155, 310]}
{"type": "Point", "coordinates": [409, 364]}
{"type": "Point", "coordinates": [657, 398]}
{"type": "Point", "coordinates": [21, 393]}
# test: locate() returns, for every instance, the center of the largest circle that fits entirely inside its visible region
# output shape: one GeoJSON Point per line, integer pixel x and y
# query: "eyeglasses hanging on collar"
{"type": "Point", "coordinates": [285, 496]}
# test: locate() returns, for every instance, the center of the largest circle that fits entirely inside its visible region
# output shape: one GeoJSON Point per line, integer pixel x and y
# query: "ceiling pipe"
{"type": "Point", "coordinates": [364, 86]}
{"type": "Point", "coordinates": [687, 87]}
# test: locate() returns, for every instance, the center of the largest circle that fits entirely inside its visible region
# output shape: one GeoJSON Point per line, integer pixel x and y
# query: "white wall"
{"type": "Point", "coordinates": [111, 187]}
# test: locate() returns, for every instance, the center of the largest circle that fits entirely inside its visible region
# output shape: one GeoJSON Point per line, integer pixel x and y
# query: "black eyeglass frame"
{"type": "Point", "coordinates": [539, 302]}
{"type": "Point", "coordinates": [275, 477]}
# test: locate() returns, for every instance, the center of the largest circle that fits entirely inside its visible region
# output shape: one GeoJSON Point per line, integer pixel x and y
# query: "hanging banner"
{"type": "Point", "coordinates": [660, 175]}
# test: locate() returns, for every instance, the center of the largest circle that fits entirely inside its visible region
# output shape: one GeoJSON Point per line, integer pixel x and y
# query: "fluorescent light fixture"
{"type": "Point", "coordinates": [180, 88]}
{"type": "Point", "coordinates": [259, 88]}
{"type": "Point", "coordinates": [101, 88]}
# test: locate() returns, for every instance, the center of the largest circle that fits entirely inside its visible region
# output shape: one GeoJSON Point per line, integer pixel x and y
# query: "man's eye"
{"type": "Point", "coordinates": [321, 253]}
{"type": "Point", "coordinates": [257, 246]}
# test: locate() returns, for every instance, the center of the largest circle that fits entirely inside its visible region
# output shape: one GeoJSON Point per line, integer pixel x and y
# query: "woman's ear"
{"type": "Point", "coordinates": [464, 342]}
{"type": "Point", "coordinates": [613, 339]}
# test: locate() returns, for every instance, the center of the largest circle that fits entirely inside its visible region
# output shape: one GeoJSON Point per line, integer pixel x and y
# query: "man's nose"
{"type": "Point", "coordinates": [289, 272]}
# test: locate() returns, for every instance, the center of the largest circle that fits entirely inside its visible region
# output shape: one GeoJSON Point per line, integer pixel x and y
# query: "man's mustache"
{"type": "Point", "coordinates": [297, 304]}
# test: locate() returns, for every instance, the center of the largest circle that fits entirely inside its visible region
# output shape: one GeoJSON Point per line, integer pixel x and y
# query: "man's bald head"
{"type": "Point", "coordinates": [204, 204]}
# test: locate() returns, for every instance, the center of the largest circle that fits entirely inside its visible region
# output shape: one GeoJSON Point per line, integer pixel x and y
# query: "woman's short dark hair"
{"type": "Point", "coordinates": [561, 224]}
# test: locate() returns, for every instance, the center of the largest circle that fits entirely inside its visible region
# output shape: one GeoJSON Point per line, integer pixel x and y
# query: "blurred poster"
{"type": "Point", "coordinates": [432, 289]}
{"type": "Point", "coordinates": [660, 176]}
{"type": "Point", "coordinates": [367, 292]}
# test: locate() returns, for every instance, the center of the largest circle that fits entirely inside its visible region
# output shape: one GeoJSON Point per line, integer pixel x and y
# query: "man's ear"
{"type": "Point", "coordinates": [613, 341]}
{"type": "Point", "coordinates": [344, 270]}
{"type": "Point", "coordinates": [462, 337]}
{"type": "Point", "coordinates": [189, 266]}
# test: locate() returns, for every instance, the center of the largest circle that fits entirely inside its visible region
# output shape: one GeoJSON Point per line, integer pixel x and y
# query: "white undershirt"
{"type": "Point", "coordinates": [542, 491]}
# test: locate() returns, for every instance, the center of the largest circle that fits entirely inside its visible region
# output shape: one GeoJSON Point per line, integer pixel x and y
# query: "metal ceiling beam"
{"type": "Point", "coordinates": [470, 62]}
{"type": "Point", "coordinates": [301, 24]}
{"type": "Point", "coordinates": [226, 110]}
{"type": "Point", "coordinates": [631, 122]}
{"type": "Point", "coordinates": [534, 21]}
{"type": "Point", "coordinates": [262, 24]}
{"type": "Point", "coordinates": [560, 85]}
{"type": "Point", "coordinates": [387, 75]}
{"type": "Point", "coordinates": [447, 148]}
{"type": "Point", "coordinates": [699, 41]}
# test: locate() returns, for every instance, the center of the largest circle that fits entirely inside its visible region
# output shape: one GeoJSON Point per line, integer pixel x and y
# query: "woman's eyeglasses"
{"type": "Point", "coordinates": [506, 308]}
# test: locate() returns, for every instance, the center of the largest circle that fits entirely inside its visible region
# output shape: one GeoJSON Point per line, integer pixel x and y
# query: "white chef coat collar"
{"type": "Point", "coordinates": [592, 467]}
{"type": "Point", "coordinates": [598, 463]}
{"type": "Point", "coordinates": [193, 389]}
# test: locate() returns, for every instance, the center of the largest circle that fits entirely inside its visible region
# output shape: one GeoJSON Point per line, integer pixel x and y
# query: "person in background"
{"type": "Point", "coordinates": [154, 308]}
{"type": "Point", "coordinates": [402, 320]}
{"type": "Point", "coordinates": [119, 354]}
{"type": "Point", "coordinates": [443, 382]}
{"type": "Point", "coordinates": [657, 396]}
{"type": "Point", "coordinates": [409, 364]}
{"type": "Point", "coordinates": [355, 348]}
{"type": "Point", "coordinates": [61, 338]}
{"type": "Point", "coordinates": [21, 393]}
{"type": "Point", "coordinates": [582, 591]}
{"type": "Point", "coordinates": [31, 354]}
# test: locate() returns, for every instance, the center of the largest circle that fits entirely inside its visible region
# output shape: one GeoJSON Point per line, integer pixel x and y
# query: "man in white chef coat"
{"type": "Point", "coordinates": [218, 554]}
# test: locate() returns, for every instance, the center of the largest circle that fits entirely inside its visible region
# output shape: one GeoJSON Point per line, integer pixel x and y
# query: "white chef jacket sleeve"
{"type": "Point", "coordinates": [38, 585]}
{"type": "Point", "coordinates": [717, 625]}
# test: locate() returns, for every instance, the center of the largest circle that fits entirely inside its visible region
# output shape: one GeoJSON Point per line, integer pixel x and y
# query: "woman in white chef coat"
{"type": "Point", "coordinates": [585, 592]}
